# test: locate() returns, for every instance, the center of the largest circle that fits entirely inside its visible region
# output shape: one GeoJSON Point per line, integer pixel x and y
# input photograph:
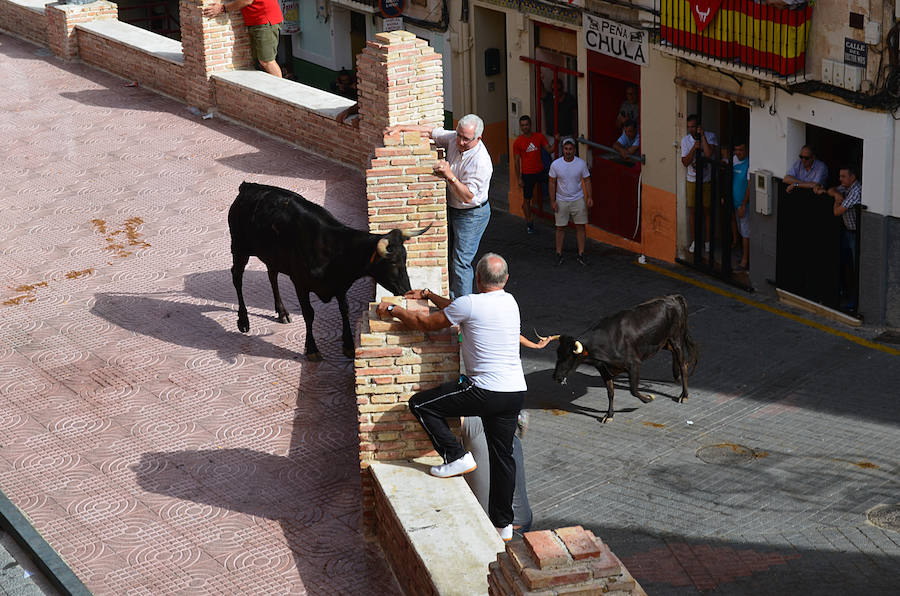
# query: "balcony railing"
{"type": "Point", "coordinates": [751, 34]}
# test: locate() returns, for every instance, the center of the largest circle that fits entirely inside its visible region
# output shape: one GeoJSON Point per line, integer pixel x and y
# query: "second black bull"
{"type": "Point", "coordinates": [320, 254]}
{"type": "Point", "coordinates": [621, 342]}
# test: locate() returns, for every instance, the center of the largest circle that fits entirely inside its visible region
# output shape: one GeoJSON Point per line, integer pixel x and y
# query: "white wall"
{"type": "Point", "coordinates": [775, 140]}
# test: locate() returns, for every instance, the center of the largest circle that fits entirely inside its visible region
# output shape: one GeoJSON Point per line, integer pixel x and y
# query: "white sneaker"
{"type": "Point", "coordinates": [706, 246]}
{"type": "Point", "coordinates": [463, 465]}
{"type": "Point", "coordinates": [691, 248]}
{"type": "Point", "coordinates": [506, 533]}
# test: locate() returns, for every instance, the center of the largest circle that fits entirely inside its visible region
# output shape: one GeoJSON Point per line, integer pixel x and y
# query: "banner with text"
{"type": "Point", "coordinates": [616, 40]}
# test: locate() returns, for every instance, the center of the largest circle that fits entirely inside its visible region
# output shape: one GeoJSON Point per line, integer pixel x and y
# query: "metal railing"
{"type": "Point", "coordinates": [751, 35]}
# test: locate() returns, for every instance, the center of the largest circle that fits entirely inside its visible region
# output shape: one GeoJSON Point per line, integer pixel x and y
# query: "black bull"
{"type": "Point", "coordinates": [320, 254]}
{"type": "Point", "coordinates": [620, 342]}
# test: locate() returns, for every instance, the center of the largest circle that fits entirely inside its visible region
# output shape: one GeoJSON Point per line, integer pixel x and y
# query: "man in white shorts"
{"type": "Point", "coordinates": [570, 197]}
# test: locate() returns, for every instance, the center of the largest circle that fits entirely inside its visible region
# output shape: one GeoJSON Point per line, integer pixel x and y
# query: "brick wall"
{"type": "Point", "coordinates": [210, 46]}
{"type": "Point", "coordinates": [296, 124]}
{"type": "Point", "coordinates": [391, 364]}
{"type": "Point", "coordinates": [133, 64]}
{"type": "Point", "coordinates": [62, 18]}
{"type": "Point", "coordinates": [23, 21]}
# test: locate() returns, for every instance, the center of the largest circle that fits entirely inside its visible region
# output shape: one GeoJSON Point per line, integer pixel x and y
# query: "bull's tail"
{"type": "Point", "coordinates": [690, 348]}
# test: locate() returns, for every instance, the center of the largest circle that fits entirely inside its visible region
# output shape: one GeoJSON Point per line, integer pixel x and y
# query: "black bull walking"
{"type": "Point", "coordinates": [320, 254]}
{"type": "Point", "coordinates": [621, 342]}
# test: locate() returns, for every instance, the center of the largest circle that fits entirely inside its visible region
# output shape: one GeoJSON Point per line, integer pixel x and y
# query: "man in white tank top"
{"type": "Point", "coordinates": [494, 388]}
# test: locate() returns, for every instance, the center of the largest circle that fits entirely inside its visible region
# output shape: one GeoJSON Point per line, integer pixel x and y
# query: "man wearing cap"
{"type": "Point", "coordinates": [467, 170]}
{"type": "Point", "coordinates": [570, 197]}
{"type": "Point", "coordinates": [263, 19]}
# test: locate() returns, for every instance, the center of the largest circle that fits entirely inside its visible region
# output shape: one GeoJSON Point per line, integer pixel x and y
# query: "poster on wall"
{"type": "Point", "coordinates": [616, 40]}
{"type": "Point", "coordinates": [291, 11]}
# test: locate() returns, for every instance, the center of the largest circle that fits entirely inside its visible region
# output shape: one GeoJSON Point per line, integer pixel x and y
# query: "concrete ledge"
{"type": "Point", "coordinates": [436, 536]}
{"type": "Point", "coordinates": [295, 94]}
{"type": "Point", "coordinates": [137, 38]}
{"type": "Point", "coordinates": [37, 6]}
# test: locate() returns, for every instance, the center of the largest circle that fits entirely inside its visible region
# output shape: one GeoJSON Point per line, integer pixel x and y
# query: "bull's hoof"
{"type": "Point", "coordinates": [682, 399]}
{"type": "Point", "coordinates": [606, 419]}
{"type": "Point", "coordinates": [314, 356]}
{"type": "Point", "coordinates": [645, 398]}
{"type": "Point", "coordinates": [284, 318]}
{"type": "Point", "coordinates": [349, 352]}
{"type": "Point", "coordinates": [243, 325]}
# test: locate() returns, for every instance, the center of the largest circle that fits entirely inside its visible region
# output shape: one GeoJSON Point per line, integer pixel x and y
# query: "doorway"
{"type": "Point", "coordinates": [490, 81]}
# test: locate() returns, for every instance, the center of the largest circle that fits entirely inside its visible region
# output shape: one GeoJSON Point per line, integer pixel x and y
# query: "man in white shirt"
{"type": "Point", "coordinates": [698, 142]}
{"type": "Point", "coordinates": [570, 197]}
{"type": "Point", "coordinates": [493, 389]}
{"type": "Point", "coordinates": [467, 170]}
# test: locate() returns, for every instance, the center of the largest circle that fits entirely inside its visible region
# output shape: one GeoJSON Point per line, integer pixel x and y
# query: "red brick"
{"type": "Point", "coordinates": [546, 549]}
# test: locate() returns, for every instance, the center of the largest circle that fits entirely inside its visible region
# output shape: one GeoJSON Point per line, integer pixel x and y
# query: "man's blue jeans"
{"type": "Point", "coordinates": [466, 229]}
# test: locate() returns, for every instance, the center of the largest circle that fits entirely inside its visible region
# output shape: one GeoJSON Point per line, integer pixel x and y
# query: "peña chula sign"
{"type": "Point", "coordinates": [615, 39]}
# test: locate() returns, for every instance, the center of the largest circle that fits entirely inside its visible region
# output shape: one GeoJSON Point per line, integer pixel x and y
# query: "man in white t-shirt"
{"type": "Point", "coordinates": [493, 389]}
{"type": "Point", "coordinates": [695, 143]}
{"type": "Point", "coordinates": [570, 197]}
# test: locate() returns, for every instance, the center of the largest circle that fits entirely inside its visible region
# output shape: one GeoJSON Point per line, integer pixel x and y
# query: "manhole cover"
{"type": "Point", "coordinates": [726, 453]}
{"type": "Point", "coordinates": [886, 517]}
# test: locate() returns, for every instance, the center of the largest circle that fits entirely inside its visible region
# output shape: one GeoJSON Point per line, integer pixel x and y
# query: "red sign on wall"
{"type": "Point", "coordinates": [704, 11]}
{"type": "Point", "coordinates": [391, 8]}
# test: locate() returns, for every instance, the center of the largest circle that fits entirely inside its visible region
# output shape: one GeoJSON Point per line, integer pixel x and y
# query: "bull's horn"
{"type": "Point", "coordinates": [414, 233]}
{"type": "Point", "coordinates": [578, 347]}
{"type": "Point", "coordinates": [551, 338]}
{"type": "Point", "coordinates": [382, 248]}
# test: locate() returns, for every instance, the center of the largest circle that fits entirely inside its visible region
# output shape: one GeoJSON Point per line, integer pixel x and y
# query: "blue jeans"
{"type": "Point", "coordinates": [466, 229]}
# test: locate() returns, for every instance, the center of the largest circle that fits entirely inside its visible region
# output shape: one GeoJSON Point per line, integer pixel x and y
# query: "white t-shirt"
{"type": "Point", "coordinates": [568, 176]}
{"type": "Point", "coordinates": [687, 142]}
{"type": "Point", "coordinates": [489, 323]}
{"type": "Point", "coordinates": [473, 167]}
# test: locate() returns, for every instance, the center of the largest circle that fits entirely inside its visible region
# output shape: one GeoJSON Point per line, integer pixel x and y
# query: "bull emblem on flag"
{"type": "Point", "coordinates": [704, 11]}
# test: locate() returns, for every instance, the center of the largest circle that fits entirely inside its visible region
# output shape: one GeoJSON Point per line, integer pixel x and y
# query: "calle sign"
{"type": "Point", "coordinates": [615, 39]}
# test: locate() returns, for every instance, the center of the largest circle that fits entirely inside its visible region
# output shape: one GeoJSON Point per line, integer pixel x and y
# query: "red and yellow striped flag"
{"type": "Point", "coordinates": [744, 31]}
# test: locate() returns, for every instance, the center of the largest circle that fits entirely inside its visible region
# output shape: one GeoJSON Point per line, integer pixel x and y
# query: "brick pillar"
{"type": "Point", "coordinates": [62, 18]}
{"type": "Point", "coordinates": [391, 364]}
{"type": "Point", "coordinates": [400, 80]}
{"type": "Point", "coordinates": [565, 561]}
{"type": "Point", "coordinates": [210, 46]}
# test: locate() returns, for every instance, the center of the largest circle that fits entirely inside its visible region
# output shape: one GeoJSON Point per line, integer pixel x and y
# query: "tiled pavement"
{"type": "Point", "coordinates": [155, 447]}
{"type": "Point", "coordinates": [160, 451]}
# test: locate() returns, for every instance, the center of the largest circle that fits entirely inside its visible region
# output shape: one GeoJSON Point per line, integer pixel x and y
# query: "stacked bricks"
{"type": "Point", "coordinates": [403, 193]}
{"type": "Point", "coordinates": [565, 561]}
{"type": "Point", "coordinates": [393, 362]}
{"type": "Point", "coordinates": [25, 21]}
{"type": "Point", "coordinates": [147, 69]}
{"type": "Point", "coordinates": [400, 82]}
{"type": "Point", "coordinates": [62, 18]}
{"type": "Point", "coordinates": [210, 46]}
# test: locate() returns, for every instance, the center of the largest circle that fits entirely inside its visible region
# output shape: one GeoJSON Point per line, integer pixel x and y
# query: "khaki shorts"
{"type": "Point", "coordinates": [692, 193]}
{"type": "Point", "coordinates": [577, 210]}
{"type": "Point", "coordinates": [264, 41]}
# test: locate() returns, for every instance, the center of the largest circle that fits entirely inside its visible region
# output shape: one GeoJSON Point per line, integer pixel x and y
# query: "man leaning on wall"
{"type": "Point", "coordinates": [263, 19]}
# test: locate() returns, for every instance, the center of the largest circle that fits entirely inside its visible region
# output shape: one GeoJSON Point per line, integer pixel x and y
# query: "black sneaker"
{"type": "Point", "coordinates": [559, 260]}
{"type": "Point", "coordinates": [531, 229]}
{"type": "Point", "coordinates": [580, 260]}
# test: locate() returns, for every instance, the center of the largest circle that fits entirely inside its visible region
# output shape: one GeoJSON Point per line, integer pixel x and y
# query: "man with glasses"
{"type": "Point", "coordinates": [467, 170]}
{"type": "Point", "coordinates": [807, 171]}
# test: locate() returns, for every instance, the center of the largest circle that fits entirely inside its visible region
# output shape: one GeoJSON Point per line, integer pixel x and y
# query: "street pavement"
{"type": "Point", "coordinates": [158, 450]}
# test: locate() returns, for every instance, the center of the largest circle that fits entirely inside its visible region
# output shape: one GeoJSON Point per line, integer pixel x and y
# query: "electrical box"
{"type": "Point", "coordinates": [837, 73]}
{"type": "Point", "coordinates": [764, 192]}
{"type": "Point", "coordinates": [491, 62]}
{"type": "Point", "coordinates": [827, 71]}
{"type": "Point", "coordinates": [852, 77]}
{"type": "Point", "coordinates": [515, 112]}
{"type": "Point", "coordinates": [873, 33]}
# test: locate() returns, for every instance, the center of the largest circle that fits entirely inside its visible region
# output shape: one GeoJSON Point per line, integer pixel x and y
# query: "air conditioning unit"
{"type": "Point", "coordinates": [764, 192]}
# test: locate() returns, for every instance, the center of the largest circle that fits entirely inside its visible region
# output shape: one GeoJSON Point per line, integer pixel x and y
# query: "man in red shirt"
{"type": "Point", "coordinates": [529, 165]}
{"type": "Point", "coordinates": [263, 19]}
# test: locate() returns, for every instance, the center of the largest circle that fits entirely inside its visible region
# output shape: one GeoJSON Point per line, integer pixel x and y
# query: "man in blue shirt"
{"type": "Point", "coordinates": [740, 196]}
{"type": "Point", "coordinates": [806, 172]}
